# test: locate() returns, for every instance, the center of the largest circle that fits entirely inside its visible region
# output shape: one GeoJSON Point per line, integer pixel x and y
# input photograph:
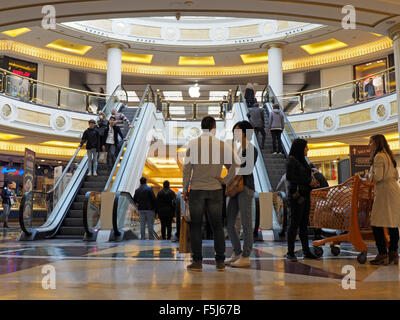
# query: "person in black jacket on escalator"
{"type": "Point", "coordinates": [301, 181]}
{"type": "Point", "coordinates": [166, 209]}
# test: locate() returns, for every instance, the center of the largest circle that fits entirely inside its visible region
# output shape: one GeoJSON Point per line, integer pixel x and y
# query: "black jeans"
{"type": "Point", "coordinates": [110, 148]}
{"type": "Point", "coordinates": [263, 133]}
{"type": "Point", "coordinates": [380, 239]}
{"type": "Point", "coordinates": [210, 200]}
{"type": "Point", "coordinates": [166, 227]}
{"type": "Point", "coordinates": [299, 214]}
{"type": "Point", "coordinates": [276, 140]}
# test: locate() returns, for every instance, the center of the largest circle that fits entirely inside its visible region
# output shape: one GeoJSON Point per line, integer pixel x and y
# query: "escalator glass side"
{"type": "Point", "coordinates": [125, 214]}
{"type": "Point", "coordinates": [91, 211]}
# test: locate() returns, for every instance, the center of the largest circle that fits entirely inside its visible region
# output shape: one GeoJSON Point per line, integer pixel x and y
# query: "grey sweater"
{"type": "Point", "coordinates": [276, 120]}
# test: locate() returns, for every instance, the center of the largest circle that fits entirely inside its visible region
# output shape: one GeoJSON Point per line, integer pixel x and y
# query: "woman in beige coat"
{"type": "Point", "coordinates": [386, 209]}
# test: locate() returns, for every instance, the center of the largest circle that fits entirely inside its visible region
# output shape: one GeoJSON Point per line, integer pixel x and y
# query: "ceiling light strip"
{"type": "Point", "coordinates": [45, 150]}
{"type": "Point", "coordinates": [291, 65]}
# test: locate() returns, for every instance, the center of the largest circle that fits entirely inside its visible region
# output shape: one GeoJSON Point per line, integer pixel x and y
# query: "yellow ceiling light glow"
{"type": "Point", "coordinates": [326, 145]}
{"type": "Point", "coordinates": [254, 57]}
{"type": "Point", "coordinates": [56, 143]}
{"type": "Point", "coordinates": [68, 46]}
{"type": "Point", "coordinates": [9, 136]}
{"type": "Point", "coordinates": [196, 61]}
{"type": "Point", "coordinates": [16, 32]}
{"type": "Point", "coordinates": [323, 46]}
{"type": "Point", "coordinates": [137, 58]}
{"type": "Point", "coordinates": [43, 150]}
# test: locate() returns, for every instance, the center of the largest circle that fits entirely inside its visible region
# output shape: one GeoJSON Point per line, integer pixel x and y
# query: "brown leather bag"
{"type": "Point", "coordinates": [236, 186]}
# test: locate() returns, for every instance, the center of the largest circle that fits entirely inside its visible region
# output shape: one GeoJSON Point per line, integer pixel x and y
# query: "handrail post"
{"type": "Point", "coordinates": [58, 97]}
{"type": "Point", "coordinates": [301, 102]}
{"type": "Point", "coordinates": [159, 105]}
{"type": "Point", "coordinates": [384, 83]}
{"type": "Point", "coordinates": [87, 102]}
{"type": "Point", "coordinates": [357, 97]}
{"type": "Point", "coordinates": [30, 91]}
{"type": "Point", "coordinates": [230, 100]}
{"type": "Point", "coordinates": [221, 110]}
{"type": "Point", "coordinates": [168, 113]}
{"type": "Point", "coordinates": [194, 111]}
{"type": "Point", "coordinates": [330, 98]}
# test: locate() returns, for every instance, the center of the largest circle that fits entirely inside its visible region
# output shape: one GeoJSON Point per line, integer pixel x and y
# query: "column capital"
{"type": "Point", "coordinates": [275, 44]}
{"type": "Point", "coordinates": [394, 32]}
{"type": "Point", "coordinates": [118, 45]}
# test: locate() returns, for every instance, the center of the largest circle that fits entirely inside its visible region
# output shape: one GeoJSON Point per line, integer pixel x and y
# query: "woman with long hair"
{"type": "Point", "coordinates": [301, 181]}
{"type": "Point", "coordinates": [386, 208]}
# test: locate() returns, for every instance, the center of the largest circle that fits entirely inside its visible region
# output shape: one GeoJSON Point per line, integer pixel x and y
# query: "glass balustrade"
{"type": "Point", "coordinates": [360, 90]}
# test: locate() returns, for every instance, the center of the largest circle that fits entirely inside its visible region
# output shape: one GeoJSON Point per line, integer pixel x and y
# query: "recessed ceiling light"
{"type": "Point", "coordinates": [323, 46]}
{"type": "Point", "coordinates": [254, 57]}
{"type": "Point", "coordinates": [196, 61]}
{"type": "Point", "coordinates": [9, 136]}
{"type": "Point", "coordinates": [16, 32]}
{"type": "Point", "coordinates": [68, 46]}
{"type": "Point", "coordinates": [137, 58]}
{"type": "Point", "coordinates": [56, 143]}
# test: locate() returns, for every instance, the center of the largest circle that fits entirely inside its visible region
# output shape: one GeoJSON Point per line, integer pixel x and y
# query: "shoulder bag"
{"type": "Point", "coordinates": [236, 186]}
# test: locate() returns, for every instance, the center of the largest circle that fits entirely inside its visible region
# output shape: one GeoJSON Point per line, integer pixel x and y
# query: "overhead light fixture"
{"type": "Point", "coordinates": [56, 143]}
{"type": "Point", "coordinates": [196, 61]}
{"type": "Point", "coordinates": [323, 46]}
{"type": "Point", "coordinates": [194, 91]}
{"type": "Point", "coordinates": [16, 32]}
{"type": "Point", "coordinates": [218, 95]}
{"type": "Point", "coordinates": [173, 95]}
{"type": "Point", "coordinates": [177, 110]}
{"type": "Point", "coordinates": [254, 57]}
{"type": "Point", "coordinates": [132, 96]}
{"type": "Point", "coordinates": [136, 57]}
{"type": "Point", "coordinates": [9, 136]}
{"type": "Point", "coordinates": [68, 46]}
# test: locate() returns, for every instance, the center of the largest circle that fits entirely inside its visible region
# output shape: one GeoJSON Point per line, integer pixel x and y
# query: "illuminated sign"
{"type": "Point", "coordinates": [13, 171]}
{"type": "Point", "coordinates": [22, 73]}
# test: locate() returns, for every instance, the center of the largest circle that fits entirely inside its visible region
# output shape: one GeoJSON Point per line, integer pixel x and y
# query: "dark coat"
{"type": "Point", "coordinates": [166, 203]}
{"type": "Point", "coordinates": [5, 195]}
{"type": "Point", "coordinates": [117, 132]}
{"type": "Point", "coordinates": [92, 139]}
{"type": "Point", "coordinates": [298, 174]}
{"type": "Point", "coordinates": [249, 95]}
{"type": "Point", "coordinates": [145, 198]}
{"type": "Point", "coordinates": [101, 127]}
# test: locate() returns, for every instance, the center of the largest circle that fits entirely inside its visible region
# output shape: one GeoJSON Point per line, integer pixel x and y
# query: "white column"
{"type": "Point", "coordinates": [114, 55]}
{"type": "Point", "coordinates": [394, 34]}
{"type": "Point", "coordinates": [275, 72]}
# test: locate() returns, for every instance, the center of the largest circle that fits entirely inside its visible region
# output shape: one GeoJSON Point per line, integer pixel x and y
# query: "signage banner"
{"type": "Point", "coordinates": [29, 170]}
{"type": "Point", "coordinates": [359, 159]}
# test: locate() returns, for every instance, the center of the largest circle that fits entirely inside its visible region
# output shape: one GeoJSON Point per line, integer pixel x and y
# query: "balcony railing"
{"type": "Point", "coordinates": [340, 95]}
{"type": "Point", "coordinates": [34, 91]}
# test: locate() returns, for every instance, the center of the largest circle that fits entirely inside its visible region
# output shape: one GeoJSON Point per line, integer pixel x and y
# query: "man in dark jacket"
{"type": "Point", "coordinates": [145, 200]}
{"type": "Point", "coordinates": [110, 141]}
{"type": "Point", "coordinates": [256, 117]}
{"type": "Point", "coordinates": [6, 195]}
{"type": "Point", "coordinates": [166, 209]}
{"type": "Point", "coordinates": [92, 139]}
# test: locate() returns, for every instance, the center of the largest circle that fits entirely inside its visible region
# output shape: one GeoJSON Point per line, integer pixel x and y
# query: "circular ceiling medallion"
{"type": "Point", "coordinates": [328, 122]}
{"type": "Point", "coordinates": [120, 27]}
{"type": "Point", "coordinates": [60, 122]}
{"type": "Point", "coordinates": [170, 33]}
{"type": "Point", "coordinates": [219, 33]}
{"type": "Point", "coordinates": [194, 132]}
{"type": "Point", "coordinates": [269, 28]}
{"type": "Point", "coordinates": [380, 112]}
{"type": "Point", "coordinates": [6, 111]}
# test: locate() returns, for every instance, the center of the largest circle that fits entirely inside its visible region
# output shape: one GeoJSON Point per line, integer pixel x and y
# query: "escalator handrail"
{"type": "Point", "coordinates": [264, 171]}
{"type": "Point", "coordinates": [118, 87]}
{"type": "Point", "coordinates": [118, 160]}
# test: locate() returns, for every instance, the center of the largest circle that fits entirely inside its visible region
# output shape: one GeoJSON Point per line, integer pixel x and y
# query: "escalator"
{"type": "Point", "coordinates": [72, 225]}
{"type": "Point", "coordinates": [64, 203]}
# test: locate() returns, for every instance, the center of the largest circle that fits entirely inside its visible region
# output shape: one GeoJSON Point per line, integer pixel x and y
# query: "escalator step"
{"type": "Point", "coordinates": [73, 222]}
{"type": "Point", "coordinates": [75, 214]}
{"type": "Point", "coordinates": [83, 191]}
{"type": "Point", "coordinates": [66, 231]}
{"type": "Point", "coordinates": [103, 178]}
{"type": "Point", "coordinates": [79, 198]}
{"type": "Point", "coordinates": [94, 184]}
{"type": "Point", "coordinates": [77, 205]}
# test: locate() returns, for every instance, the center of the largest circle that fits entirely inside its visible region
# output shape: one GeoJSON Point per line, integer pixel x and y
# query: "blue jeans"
{"type": "Point", "coordinates": [242, 203]}
{"type": "Point", "coordinates": [6, 211]}
{"type": "Point", "coordinates": [209, 201]}
{"type": "Point", "coordinates": [146, 217]}
{"type": "Point", "coordinates": [92, 159]}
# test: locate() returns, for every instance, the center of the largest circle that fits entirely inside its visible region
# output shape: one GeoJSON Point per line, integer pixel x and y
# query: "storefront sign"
{"type": "Point", "coordinates": [359, 159]}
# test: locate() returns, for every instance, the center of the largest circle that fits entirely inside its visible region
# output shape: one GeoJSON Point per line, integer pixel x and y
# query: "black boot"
{"type": "Point", "coordinates": [5, 225]}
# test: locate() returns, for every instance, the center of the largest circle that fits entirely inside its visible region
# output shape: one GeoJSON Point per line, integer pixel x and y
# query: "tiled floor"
{"type": "Point", "coordinates": [155, 270]}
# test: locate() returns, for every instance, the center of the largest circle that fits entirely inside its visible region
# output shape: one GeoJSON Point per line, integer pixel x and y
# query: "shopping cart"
{"type": "Point", "coordinates": [345, 207]}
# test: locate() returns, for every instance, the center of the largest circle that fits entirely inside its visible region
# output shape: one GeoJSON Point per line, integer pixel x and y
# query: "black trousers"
{"type": "Point", "coordinates": [166, 227]}
{"type": "Point", "coordinates": [299, 214]}
{"type": "Point", "coordinates": [276, 140]}
{"type": "Point", "coordinates": [263, 134]}
{"type": "Point", "coordinates": [178, 223]}
{"type": "Point", "coordinates": [380, 239]}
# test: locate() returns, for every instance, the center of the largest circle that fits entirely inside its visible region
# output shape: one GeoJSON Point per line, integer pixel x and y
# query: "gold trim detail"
{"type": "Point", "coordinates": [129, 68]}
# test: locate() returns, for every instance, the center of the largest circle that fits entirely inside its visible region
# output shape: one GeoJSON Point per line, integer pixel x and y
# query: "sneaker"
{"type": "Point", "coordinates": [291, 257]}
{"type": "Point", "coordinates": [233, 258]}
{"type": "Point", "coordinates": [95, 174]}
{"type": "Point", "coordinates": [89, 174]}
{"type": "Point", "coordinates": [195, 266]}
{"type": "Point", "coordinates": [275, 153]}
{"type": "Point", "coordinates": [220, 266]}
{"type": "Point", "coordinates": [243, 262]}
